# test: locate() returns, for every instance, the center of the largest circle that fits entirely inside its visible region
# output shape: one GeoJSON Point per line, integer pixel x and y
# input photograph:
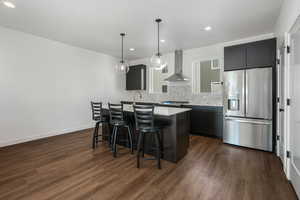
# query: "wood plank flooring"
{"type": "Point", "coordinates": [65, 167]}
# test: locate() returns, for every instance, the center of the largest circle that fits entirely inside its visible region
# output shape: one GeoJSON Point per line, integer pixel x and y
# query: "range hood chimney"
{"type": "Point", "coordinates": [178, 76]}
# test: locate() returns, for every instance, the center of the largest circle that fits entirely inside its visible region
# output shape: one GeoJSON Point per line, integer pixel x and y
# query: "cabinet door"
{"type": "Point", "coordinates": [234, 57]}
{"type": "Point", "coordinates": [261, 53]}
{"type": "Point", "coordinates": [207, 121]}
{"type": "Point", "coordinates": [136, 78]}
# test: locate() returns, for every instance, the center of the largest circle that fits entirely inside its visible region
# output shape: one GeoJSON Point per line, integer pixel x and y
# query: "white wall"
{"type": "Point", "coordinates": [289, 12]}
{"type": "Point", "coordinates": [183, 92]}
{"type": "Point", "coordinates": [46, 86]}
{"type": "Point", "coordinates": [288, 15]}
{"type": "Point", "coordinates": [214, 51]}
{"type": "Point", "coordinates": [208, 52]}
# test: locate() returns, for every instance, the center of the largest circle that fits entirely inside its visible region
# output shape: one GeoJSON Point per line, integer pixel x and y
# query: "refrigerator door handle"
{"type": "Point", "coordinates": [249, 121]}
{"type": "Point", "coordinates": [246, 93]}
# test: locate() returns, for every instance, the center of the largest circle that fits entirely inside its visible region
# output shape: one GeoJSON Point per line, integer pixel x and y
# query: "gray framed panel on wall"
{"type": "Point", "coordinates": [207, 76]}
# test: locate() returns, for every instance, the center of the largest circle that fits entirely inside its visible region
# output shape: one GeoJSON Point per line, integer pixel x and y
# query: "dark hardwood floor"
{"type": "Point", "coordinates": [66, 167]}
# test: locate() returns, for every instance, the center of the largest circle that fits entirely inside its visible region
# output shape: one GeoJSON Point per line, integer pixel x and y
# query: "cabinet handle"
{"type": "Point", "coordinates": [142, 79]}
{"type": "Point", "coordinates": [248, 121]}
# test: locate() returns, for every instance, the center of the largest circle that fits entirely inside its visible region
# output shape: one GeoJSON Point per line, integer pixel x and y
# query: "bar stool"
{"type": "Point", "coordinates": [117, 120]}
{"type": "Point", "coordinates": [97, 116]}
{"type": "Point", "coordinates": [144, 119]}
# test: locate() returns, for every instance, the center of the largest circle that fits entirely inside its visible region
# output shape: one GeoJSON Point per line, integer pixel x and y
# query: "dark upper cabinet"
{"type": "Point", "coordinates": [136, 78]}
{"type": "Point", "coordinates": [234, 57]}
{"type": "Point", "coordinates": [250, 55]}
{"type": "Point", "coordinates": [261, 53]}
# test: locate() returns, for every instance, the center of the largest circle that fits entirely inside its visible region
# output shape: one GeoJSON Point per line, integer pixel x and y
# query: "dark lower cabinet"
{"type": "Point", "coordinates": [204, 120]}
{"type": "Point", "coordinates": [207, 121]}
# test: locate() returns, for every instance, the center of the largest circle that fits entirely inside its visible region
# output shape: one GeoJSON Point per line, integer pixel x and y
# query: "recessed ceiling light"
{"type": "Point", "coordinates": [208, 28]}
{"type": "Point", "coordinates": [162, 40]}
{"type": "Point", "coordinates": [132, 49]}
{"type": "Point", "coordinates": [8, 4]}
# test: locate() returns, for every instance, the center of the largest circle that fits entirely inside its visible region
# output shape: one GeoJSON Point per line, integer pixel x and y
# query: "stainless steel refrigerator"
{"type": "Point", "coordinates": [248, 108]}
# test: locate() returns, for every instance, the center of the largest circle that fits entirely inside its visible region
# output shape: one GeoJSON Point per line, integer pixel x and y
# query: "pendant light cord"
{"type": "Point", "coordinates": [158, 21]}
{"type": "Point", "coordinates": [122, 35]}
{"type": "Point", "coordinates": [158, 39]}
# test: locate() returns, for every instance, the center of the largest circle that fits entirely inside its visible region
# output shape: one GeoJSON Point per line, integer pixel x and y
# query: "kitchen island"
{"type": "Point", "coordinates": [175, 129]}
{"type": "Point", "coordinates": [206, 119]}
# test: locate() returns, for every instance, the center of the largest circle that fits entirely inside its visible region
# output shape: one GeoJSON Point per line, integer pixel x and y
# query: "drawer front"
{"type": "Point", "coordinates": [255, 134]}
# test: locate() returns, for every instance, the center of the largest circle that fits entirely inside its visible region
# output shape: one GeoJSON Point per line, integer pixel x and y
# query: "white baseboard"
{"type": "Point", "coordinates": [45, 135]}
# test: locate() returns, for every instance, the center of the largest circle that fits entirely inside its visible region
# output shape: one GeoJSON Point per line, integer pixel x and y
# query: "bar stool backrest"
{"type": "Point", "coordinates": [116, 112]}
{"type": "Point", "coordinates": [96, 110]}
{"type": "Point", "coordinates": [144, 116]}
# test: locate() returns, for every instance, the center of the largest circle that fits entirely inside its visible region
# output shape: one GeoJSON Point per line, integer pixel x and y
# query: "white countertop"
{"type": "Point", "coordinates": [188, 104]}
{"type": "Point", "coordinates": [203, 104]}
{"type": "Point", "coordinates": [158, 110]}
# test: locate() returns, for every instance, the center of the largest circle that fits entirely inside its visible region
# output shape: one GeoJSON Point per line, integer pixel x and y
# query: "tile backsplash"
{"type": "Point", "coordinates": [176, 93]}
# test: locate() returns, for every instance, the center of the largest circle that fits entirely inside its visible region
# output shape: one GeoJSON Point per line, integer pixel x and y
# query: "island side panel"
{"type": "Point", "coordinates": [176, 136]}
{"type": "Point", "coordinates": [182, 134]}
{"type": "Point", "coordinates": [168, 135]}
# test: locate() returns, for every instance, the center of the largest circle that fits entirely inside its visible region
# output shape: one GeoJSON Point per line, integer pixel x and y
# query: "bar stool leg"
{"type": "Point", "coordinates": [158, 150]}
{"type": "Point", "coordinates": [97, 133]}
{"type": "Point", "coordinates": [130, 138]}
{"type": "Point", "coordinates": [112, 138]}
{"type": "Point", "coordinates": [143, 146]}
{"type": "Point", "coordinates": [94, 138]}
{"type": "Point", "coordinates": [109, 133]}
{"type": "Point", "coordinates": [115, 142]}
{"type": "Point", "coordinates": [160, 136]}
{"type": "Point", "coordinates": [139, 148]}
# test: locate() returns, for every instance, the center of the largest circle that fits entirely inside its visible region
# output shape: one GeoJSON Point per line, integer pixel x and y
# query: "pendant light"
{"type": "Point", "coordinates": [156, 60]}
{"type": "Point", "coordinates": [123, 66]}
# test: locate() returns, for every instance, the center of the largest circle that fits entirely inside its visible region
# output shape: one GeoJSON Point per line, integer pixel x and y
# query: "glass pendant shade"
{"type": "Point", "coordinates": [122, 67]}
{"type": "Point", "coordinates": [157, 62]}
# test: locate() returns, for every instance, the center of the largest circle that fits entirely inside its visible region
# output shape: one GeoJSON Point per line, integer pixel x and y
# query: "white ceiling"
{"type": "Point", "coordinates": [96, 24]}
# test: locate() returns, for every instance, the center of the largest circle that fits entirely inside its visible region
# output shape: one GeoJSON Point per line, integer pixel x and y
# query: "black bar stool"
{"type": "Point", "coordinates": [97, 116]}
{"type": "Point", "coordinates": [144, 119]}
{"type": "Point", "coordinates": [117, 120]}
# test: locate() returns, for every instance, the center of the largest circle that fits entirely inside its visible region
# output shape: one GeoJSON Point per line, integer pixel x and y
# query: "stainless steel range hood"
{"type": "Point", "coordinates": [178, 76]}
